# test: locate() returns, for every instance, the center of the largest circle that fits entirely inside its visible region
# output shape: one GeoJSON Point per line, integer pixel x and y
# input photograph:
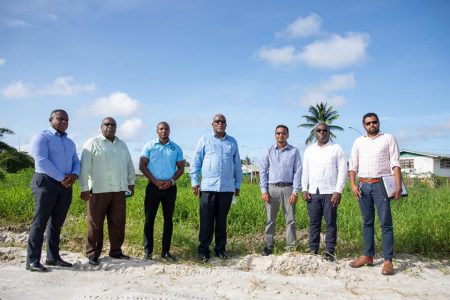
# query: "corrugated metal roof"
{"type": "Point", "coordinates": [425, 153]}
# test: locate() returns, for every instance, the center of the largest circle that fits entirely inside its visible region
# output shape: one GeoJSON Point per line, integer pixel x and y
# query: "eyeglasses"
{"type": "Point", "coordinates": [371, 122]}
{"type": "Point", "coordinates": [220, 121]}
{"type": "Point", "coordinates": [322, 130]}
{"type": "Point", "coordinates": [281, 132]}
{"type": "Point", "coordinates": [110, 124]}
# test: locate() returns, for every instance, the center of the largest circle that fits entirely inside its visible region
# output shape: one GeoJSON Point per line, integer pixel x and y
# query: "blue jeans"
{"type": "Point", "coordinates": [372, 196]}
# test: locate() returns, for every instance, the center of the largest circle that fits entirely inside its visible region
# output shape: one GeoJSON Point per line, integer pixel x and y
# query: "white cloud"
{"type": "Point", "coordinates": [131, 129]}
{"type": "Point", "coordinates": [16, 23]}
{"type": "Point", "coordinates": [303, 27]}
{"type": "Point", "coordinates": [284, 56]}
{"type": "Point", "coordinates": [2, 61]}
{"type": "Point", "coordinates": [16, 90]}
{"type": "Point", "coordinates": [424, 133]}
{"type": "Point", "coordinates": [116, 104]}
{"type": "Point", "coordinates": [64, 86]}
{"type": "Point", "coordinates": [336, 51]}
{"type": "Point", "coordinates": [326, 91]}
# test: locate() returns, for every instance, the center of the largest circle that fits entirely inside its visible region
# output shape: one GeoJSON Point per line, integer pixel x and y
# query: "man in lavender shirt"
{"type": "Point", "coordinates": [280, 176]}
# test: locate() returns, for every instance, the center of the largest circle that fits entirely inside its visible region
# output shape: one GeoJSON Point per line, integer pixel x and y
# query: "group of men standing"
{"type": "Point", "coordinates": [106, 176]}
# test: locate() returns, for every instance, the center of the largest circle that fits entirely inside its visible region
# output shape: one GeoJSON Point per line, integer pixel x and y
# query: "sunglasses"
{"type": "Point", "coordinates": [109, 124]}
{"type": "Point", "coordinates": [371, 122]}
{"type": "Point", "coordinates": [322, 130]}
{"type": "Point", "coordinates": [220, 121]}
{"type": "Point", "coordinates": [281, 132]}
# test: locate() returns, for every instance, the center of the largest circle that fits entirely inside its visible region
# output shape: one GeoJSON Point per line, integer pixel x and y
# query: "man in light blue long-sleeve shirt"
{"type": "Point", "coordinates": [280, 178]}
{"type": "Point", "coordinates": [217, 160]}
{"type": "Point", "coordinates": [56, 168]}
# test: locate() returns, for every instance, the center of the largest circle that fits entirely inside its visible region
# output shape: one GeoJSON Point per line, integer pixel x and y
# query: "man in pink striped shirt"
{"type": "Point", "coordinates": [375, 155]}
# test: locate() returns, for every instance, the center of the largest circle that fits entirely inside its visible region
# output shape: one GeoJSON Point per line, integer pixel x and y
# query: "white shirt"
{"type": "Point", "coordinates": [106, 166]}
{"type": "Point", "coordinates": [325, 168]}
{"type": "Point", "coordinates": [374, 157]}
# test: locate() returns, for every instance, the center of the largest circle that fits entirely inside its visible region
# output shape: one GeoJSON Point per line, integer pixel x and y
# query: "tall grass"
{"type": "Point", "coordinates": [421, 220]}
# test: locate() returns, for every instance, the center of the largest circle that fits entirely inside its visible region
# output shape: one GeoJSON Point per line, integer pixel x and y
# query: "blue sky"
{"type": "Point", "coordinates": [261, 63]}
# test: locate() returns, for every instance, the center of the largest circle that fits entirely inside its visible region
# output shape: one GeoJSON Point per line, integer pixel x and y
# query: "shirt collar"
{"type": "Point", "coordinates": [101, 136]}
{"type": "Point", "coordinates": [158, 142]}
{"type": "Point", "coordinates": [287, 147]}
{"type": "Point", "coordinates": [380, 133]}
{"type": "Point", "coordinates": [330, 142]}
{"type": "Point", "coordinates": [224, 137]}
{"type": "Point", "coordinates": [55, 132]}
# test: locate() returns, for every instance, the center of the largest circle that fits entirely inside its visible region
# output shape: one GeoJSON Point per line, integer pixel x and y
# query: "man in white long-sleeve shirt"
{"type": "Point", "coordinates": [323, 180]}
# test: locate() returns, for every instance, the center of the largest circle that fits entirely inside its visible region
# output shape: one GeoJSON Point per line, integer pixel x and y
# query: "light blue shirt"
{"type": "Point", "coordinates": [217, 160]}
{"type": "Point", "coordinates": [54, 154]}
{"type": "Point", "coordinates": [281, 165]}
{"type": "Point", "coordinates": [162, 159]}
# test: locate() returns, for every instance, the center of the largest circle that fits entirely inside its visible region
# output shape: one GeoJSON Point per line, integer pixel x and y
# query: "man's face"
{"type": "Point", "coordinates": [372, 125]}
{"type": "Point", "coordinates": [163, 131]}
{"type": "Point", "coordinates": [322, 134]}
{"type": "Point", "coordinates": [60, 121]}
{"type": "Point", "coordinates": [109, 127]}
{"type": "Point", "coordinates": [281, 135]}
{"type": "Point", "coordinates": [219, 124]}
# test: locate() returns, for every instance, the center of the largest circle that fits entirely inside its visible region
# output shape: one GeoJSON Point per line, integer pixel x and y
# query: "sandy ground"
{"type": "Point", "coordinates": [288, 276]}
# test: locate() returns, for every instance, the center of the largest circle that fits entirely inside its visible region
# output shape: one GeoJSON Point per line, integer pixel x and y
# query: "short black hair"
{"type": "Point", "coordinates": [56, 111]}
{"type": "Point", "coordinates": [282, 126]}
{"type": "Point", "coordinates": [371, 114]}
{"type": "Point", "coordinates": [163, 123]}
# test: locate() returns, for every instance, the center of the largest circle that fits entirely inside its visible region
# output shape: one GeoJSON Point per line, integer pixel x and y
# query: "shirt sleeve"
{"type": "Point", "coordinates": [394, 153]}
{"type": "Point", "coordinates": [354, 158]}
{"type": "Point", "coordinates": [305, 172]}
{"type": "Point", "coordinates": [264, 173]}
{"type": "Point", "coordinates": [86, 166]}
{"type": "Point", "coordinates": [179, 154]}
{"type": "Point", "coordinates": [297, 186]}
{"type": "Point", "coordinates": [197, 161]}
{"type": "Point", "coordinates": [145, 151]}
{"type": "Point", "coordinates": [130, 167]}
{"type": "Point", "coordinates": [76, 165]}
{"type": "Point", "coordinates": [341, 171]}
{"type": "Point", "coordinates": [39, 150]}
{"type": "Point", "coordinates": [237, 168]}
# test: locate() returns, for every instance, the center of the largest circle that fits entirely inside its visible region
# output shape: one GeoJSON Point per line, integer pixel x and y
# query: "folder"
{"type": "Point", "coordinates": [389, 186]}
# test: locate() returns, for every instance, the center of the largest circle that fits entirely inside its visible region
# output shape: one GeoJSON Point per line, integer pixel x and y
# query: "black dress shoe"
{"type": "Point", "coordinates": [94, 261]}
{"type": "Point", "coordinates": [203, 258]}
{"type": "Point", "coordinates": [36, 267]}
{"type": "Point", "coordinates": [120, 256]}
{"type": "Point", "coordinates": [267, 251]}
{"type": "Point", "coordinates": [148, 256]}
{"type": "Point", "coordinates": [167, 255]}
{"type": "Point", "coordinates": [58, 262]}
{"type": "Point", "coordinates": [222, 254]}
{"type": "Point", "coordinates": [330, 256]}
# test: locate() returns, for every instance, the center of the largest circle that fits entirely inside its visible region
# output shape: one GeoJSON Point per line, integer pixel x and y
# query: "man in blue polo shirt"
{"type": "Point", "coordinates": [56, 168]}
{"type": "Point", "coordinates": [162, 163]}
{"type": "Point", "coordinates": [216, 159]}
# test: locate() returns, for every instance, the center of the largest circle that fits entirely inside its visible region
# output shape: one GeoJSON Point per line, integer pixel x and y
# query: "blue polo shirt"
{"type": "Point", "coordinates": [162, 159]}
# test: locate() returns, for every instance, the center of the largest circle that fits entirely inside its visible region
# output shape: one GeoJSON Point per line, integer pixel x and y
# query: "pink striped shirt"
{"type": "Point", "coordinates": [374, 157]}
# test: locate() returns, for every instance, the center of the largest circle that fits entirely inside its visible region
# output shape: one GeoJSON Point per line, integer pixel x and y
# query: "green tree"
{"type": "Point", "coordinates": [12, 160]}
{"type": "Point", "coordinates": [320, 113]}
{"type": "Point", "coordinates": [246, 161]}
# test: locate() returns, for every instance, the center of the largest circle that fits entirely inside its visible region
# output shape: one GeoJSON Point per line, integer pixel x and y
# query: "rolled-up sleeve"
{"type": "Point", "coordinates": [197, 161]}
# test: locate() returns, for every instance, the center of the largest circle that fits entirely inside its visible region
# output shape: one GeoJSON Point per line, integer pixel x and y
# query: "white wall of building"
{"type": "Point", "coordinates": [439, 171]}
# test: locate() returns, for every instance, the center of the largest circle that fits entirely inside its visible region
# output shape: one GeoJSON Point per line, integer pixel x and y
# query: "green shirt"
{"type": "Point", "coordinates": [106, 166]}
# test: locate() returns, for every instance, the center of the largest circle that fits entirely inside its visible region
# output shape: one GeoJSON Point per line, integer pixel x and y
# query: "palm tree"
{"type": "Point", "coordinates": [320, 113]}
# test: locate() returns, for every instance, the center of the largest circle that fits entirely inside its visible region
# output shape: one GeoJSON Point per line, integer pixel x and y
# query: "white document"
{"type": "Point", "coordinates": [389, 186]}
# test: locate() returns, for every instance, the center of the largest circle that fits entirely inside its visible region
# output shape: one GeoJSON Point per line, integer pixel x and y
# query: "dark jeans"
{"type": "Point", "coordinates": [372, 195]}
{"type": "Point", "coordinates": [112, 205]}
{"type": "Point", "coordinates": [51, 203]}
{"type": "Point", "coordinates": [153, 196]}
{"type": "Point", "coordinates": [214, 208]}
{"type": "Point", "coordinates": [320, 205]}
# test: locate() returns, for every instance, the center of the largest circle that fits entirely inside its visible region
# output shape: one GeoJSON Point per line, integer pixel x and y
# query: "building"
{"type": "Point", "coordinates": [425, 163]}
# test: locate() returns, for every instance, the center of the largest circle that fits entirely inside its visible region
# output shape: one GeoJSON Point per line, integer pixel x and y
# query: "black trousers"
{"type": "Point", "coordinates": [153, 196]}
{"type": "Point", "coordinates": [320, 205]}
{"type": "Point", "coordinates": [51, 204]}
{"type": "Point", "coordinates": [214, 208]}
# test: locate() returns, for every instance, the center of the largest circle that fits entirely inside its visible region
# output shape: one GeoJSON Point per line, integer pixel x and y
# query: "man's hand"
{"type": "Point", "coordinates": [68, 180]}
{"type": "Point", "coordinates": [85, 195]}
{"type": "Point", "coordinates": [131, 189]}
{"type": "Point", "coordinates": [293, 198]}
{"type": "Point", "coordinates": [397, 194]}
{"type": "Point", "coordinates": [165, 184]}
{"type": "Point", "coordinates": [237, 192]}
{"type": "Point", "coordinates": [306, 196]}
{"type": "Point", "coordinates": [195, 190]}
{"type": "Point", "coordinates": [356, 192]}
{"type": "Point", "coordinates": [265, 197]}
{"type": "Point", "coordinates": [335, 199]}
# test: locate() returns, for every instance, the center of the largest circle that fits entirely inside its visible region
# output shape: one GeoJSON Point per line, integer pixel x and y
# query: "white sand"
{"type": "Point", "coordinates": [288, 276]}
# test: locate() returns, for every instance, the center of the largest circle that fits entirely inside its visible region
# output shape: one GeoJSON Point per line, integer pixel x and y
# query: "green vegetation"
{"type": "Point", "coordinates": [421, 221]}
{"type": "Point", "coordinates": [11, 160]}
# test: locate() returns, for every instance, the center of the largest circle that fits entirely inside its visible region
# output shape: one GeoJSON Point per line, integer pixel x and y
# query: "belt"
{"type": "Point", "coordinates": [281, 184]}
{"type": "Point", "coordinates": [369, 180]}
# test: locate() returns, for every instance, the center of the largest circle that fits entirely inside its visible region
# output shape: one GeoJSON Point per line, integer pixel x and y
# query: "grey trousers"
{"type": "Point", "coordinates": [280, 195]}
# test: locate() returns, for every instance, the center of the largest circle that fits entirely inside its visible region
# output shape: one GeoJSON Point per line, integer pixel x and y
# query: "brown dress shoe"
{"type": "Point", "coordinates": [362, 261]}
{"type": "Point", "coordinates": [388, 268]}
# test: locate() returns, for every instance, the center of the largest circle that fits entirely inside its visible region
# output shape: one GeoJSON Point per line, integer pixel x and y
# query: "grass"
{"type": "Point", "coordinates": [421, 220]}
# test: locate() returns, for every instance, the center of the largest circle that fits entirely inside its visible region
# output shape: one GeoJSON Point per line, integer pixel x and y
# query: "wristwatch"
{"type": "Point", "coordinates": [173, 181]}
